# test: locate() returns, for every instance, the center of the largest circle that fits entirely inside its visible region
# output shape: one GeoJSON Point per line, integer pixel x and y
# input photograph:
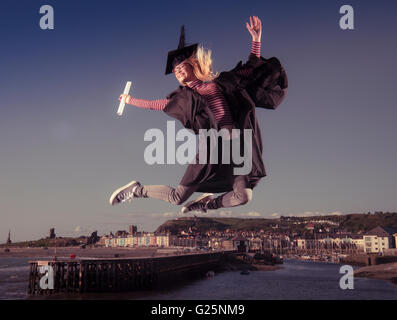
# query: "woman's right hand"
{"type": "Point", "coordinates": [127, 98]}
{"type": "Point", "coordinates": [255, 29]}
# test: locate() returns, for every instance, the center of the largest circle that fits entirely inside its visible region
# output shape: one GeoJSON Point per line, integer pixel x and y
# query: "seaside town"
{"type": "Point", "coordinates": [320, 243]}
{"type": "Point", "coordinates": [313, 238]}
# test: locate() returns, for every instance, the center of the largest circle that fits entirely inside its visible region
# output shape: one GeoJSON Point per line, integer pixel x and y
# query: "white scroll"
{"type": "Point", "coordinates": [122, 102]}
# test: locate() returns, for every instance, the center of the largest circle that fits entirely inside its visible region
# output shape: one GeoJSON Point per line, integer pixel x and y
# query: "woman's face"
{"type": "Point", "coordinates": [184, 73]}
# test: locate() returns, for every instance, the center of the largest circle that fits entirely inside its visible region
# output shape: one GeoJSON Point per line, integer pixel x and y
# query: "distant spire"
{"type": "Point", "coordinates": [9, 237]}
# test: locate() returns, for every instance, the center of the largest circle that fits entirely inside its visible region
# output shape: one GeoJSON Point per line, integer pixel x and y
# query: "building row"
{"type": "Point", "coordinates": [377, 240]}
{"type": "Point", "coordinates": [145, 240]}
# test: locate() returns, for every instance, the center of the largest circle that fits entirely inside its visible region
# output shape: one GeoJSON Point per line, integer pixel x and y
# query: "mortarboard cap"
{"type": "Point", "coordinates": [183, 52]}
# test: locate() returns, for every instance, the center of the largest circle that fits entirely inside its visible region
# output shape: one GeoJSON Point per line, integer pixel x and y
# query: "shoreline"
{"type": "Point", "coordinates": [94, 252]}
{"type": "Point", "coordinates": [263, 267]}
{"type": "Point", "coordinates": [251, 267]}
{"type": "Point", "coordinates": [386, 271]}
{"type": "Point", "coordinates": [104, 252]}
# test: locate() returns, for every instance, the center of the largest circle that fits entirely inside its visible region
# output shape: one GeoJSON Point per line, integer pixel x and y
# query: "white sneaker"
{"type": "Point", "coordinates": [124, 193]}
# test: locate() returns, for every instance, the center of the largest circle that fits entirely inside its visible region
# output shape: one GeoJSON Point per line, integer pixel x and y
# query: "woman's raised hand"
{"type": "Point", "coordinates": [255, 29]}
{"type": "Point", "coordinates": [127, 98]}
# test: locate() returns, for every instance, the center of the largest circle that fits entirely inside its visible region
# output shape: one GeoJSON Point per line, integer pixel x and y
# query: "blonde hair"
{"type": "Point", "coordinates": [201, 63]}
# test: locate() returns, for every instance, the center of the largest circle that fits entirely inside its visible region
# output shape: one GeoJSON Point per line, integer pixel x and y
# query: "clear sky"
{"type": "Point", "coordinates": [329, 148]}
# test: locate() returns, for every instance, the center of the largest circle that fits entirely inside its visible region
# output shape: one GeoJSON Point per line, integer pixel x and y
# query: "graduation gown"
{"type": "Point", "coordinates": [265, 88]}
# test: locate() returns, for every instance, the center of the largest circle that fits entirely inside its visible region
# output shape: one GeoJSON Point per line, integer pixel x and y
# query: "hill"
{"type": "Point", "coordinates": [354, 223]}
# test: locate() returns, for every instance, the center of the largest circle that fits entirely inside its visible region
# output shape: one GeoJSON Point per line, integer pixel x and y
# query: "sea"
{"type": "Point", "coordinates": [302, 280]}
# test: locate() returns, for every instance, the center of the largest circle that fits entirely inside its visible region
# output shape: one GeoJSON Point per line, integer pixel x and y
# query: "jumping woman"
{"type": "Point", "coordinates": [205, 100]}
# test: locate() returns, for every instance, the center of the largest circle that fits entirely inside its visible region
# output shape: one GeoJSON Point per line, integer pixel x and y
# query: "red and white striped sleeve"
{"type": "Point", "coordinates": [149, 104]}
{"type": "Point", "coordinates": [256, 48]}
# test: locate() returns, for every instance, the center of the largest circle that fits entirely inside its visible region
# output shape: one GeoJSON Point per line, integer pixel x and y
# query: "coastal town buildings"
{"type": "Point", "coordinates": [358, 242]}
{"type": "Point", "coordinates": [332, 242]}
{"type": "Point", "coordinates": [255, 244]}
{"type": "Point", "coordinates": [302, 244]}
{"type": "Point", "coordinates": [313, 240]}
{"type": "Point", "coordinates": [227, 244]}
{"type": "Point", "coordinates": [140, 240]}
{"type": "Point", "coordinates": [241, 244]}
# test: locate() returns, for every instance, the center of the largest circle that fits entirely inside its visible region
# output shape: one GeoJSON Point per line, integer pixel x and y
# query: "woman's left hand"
{"type": "Point", "coordinates": [255, 29]}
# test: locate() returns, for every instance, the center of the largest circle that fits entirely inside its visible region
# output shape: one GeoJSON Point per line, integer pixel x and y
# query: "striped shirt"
{"type": "Point", "coordinates": [209, 90]}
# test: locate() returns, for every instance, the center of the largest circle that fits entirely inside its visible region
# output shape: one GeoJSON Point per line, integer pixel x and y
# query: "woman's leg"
{"type": "Point", "coordinates": [240, 195]}
{"type": "Point", "coordinates": [166, 193]}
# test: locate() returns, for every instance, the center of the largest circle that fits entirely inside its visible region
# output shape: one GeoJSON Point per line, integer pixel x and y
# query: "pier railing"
{"type": "Point", "coordinates": [116, 274]}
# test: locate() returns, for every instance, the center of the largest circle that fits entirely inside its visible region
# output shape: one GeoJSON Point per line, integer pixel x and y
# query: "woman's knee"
{"type": "Point", "coordinates": [176, 198]}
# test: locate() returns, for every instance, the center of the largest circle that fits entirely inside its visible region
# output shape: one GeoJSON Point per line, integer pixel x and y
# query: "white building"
{"type": "Point", "coordinates": [379, 239]}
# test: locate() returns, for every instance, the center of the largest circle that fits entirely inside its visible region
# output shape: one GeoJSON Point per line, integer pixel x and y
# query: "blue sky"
{"type": "Point", "coordinates": [329, 148]}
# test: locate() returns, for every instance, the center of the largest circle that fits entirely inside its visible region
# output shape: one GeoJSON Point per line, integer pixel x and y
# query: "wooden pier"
{"type": "Point", "coordinates": [73, 276]}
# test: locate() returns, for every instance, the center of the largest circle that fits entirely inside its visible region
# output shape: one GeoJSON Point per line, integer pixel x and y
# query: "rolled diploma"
{"type": "Point", "coordinates": [122, 102]}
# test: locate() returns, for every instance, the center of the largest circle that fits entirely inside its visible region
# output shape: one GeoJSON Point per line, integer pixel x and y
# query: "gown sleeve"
{"type": "Point", "coordinates": [266, 85]}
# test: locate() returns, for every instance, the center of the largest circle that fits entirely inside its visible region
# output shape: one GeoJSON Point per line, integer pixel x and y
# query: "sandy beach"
{"type": "Point", "coordinates": [387, 271]}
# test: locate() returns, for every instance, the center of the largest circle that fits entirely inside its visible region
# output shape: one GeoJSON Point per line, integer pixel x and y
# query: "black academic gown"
{"type": "Point", "coordinates": [265, 88]}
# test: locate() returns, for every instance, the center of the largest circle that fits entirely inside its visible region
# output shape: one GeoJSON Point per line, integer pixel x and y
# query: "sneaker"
{"type": "Point", "coordinates": [200, 204]}
{"type": "Point", "coordinates": [124, 193]}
